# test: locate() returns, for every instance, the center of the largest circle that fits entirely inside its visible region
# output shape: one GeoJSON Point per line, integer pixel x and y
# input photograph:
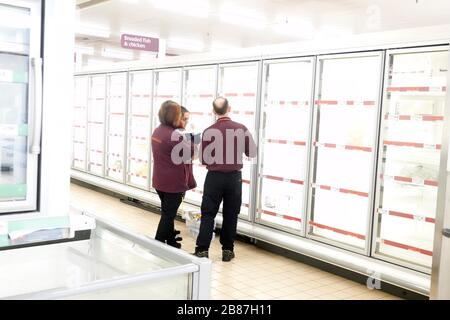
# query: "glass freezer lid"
{"type": "Point", "coordinates": [73, 264]}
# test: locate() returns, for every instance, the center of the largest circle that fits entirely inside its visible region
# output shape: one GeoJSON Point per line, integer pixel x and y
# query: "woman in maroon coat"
{"type": "Point", "coordinates": [171, 172]}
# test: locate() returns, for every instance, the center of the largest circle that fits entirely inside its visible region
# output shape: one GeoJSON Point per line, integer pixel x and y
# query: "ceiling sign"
{"type": "Point", "coordinates": [139, 43]}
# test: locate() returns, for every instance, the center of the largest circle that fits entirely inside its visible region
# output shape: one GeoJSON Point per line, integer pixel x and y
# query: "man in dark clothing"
{"type": "Point", "coordinates": [223, 146]}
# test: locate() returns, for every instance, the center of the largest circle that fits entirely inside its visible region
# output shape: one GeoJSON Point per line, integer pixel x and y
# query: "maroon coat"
{"type": "Point", "coordinates": [167, 175]}
{"type": "Point", "coordinates": [236, 164]}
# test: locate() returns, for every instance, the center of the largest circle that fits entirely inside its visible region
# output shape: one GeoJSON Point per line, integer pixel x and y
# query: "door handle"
{"type": "Point", "coordinates": [36, 64]}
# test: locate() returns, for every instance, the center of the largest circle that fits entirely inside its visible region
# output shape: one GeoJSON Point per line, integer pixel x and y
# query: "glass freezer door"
{"type": "Point", "coordinates": [199, 93]}
{"type": "Point", "coordinates": [96, 124]}
{"type": "Point", "coordinates": [167, 86]}
{"type": "Point", "coordinates": [115, 139]}
{"type": "Point", "coordinates": [139, 113]}
{"type": "Point", "coordinates": [287, 104]}
{"type": "Point", "coordinates": [413, 118]}
{"type": "Point", "coordinates": [239, 84]}
{"type": "Point", "coordinates": [20, 105]}
{"type": "Point", "coordinates": [346, 117]}
{"type": "Point", "coordinates": [79, 130]}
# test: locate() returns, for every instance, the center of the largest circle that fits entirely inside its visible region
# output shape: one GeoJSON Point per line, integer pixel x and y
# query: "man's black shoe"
{"type": "Point", "coordinates": [227, 255]}
{"type": "Point", "coordinates": [201, 254]}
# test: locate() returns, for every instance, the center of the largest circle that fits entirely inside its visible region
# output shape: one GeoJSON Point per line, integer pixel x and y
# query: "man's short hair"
{"type": "Point", "coordinates": [169, 113]}
{"type": "Point", "coordinates": [220, 106]}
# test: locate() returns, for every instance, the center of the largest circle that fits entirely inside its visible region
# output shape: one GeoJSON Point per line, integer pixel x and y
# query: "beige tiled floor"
{"type": "Point", "coordinates": [254, 274]}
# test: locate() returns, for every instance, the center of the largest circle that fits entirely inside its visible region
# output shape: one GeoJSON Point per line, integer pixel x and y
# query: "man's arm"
{"type": "Point", "coordinates": [250, 145]}
{"type": "Point", "coordinates": [204, 144]}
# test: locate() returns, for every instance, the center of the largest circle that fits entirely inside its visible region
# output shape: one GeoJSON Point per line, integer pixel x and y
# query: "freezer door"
{"type": "Point", "coordinates": [167, 86]}
{"type": "Point", "coordinates": [285, 132]}
{"type": "Point", "coordinates": [96, 124]}
{"type": "Point", "coordinates": [346, 117]}
{"type": "Point", "coordinates": [116, 126]}
{"type": "Point", "coordinates": [139, 129]}
{"type": "Point", "coordinates": [413, 117]}
{"type": "Point", "coordinates": [198, 94]}
{"type": "Point", "coordinates": [79, 126]}
{"type": "Point", "coordinates": [20, 104]}
{"type": "Point", "coordinates": [239, 84]}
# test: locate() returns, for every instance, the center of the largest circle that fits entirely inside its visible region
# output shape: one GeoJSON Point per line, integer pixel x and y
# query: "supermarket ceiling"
{"type": "Point", "coordinates": [189, 26]}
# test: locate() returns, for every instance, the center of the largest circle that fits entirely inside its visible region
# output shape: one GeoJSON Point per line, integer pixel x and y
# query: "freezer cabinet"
{"type": "Point", "coordinates": [285, 133]}
{"type": "Point", "coordinates": [96, 117]}
{"type": "Point", "coordinates": [117, 89]}
{"type": "Point", "coordinates": [344, 147]}
{"type": "Point", "coordinates": [112, 264]}
{"type": "Point", "coordinates": [139, 129]}
{"type": "Point", "coordinates": [199, 92]}
{"type": "Point", "coordinates": [410, 149]}
{"type": "Point", "coordinates": [20, 104]}
{"type": "Point", "coordinates": [238, 83]}
{"type": "Point", "coordinates": [167, 85]}
{"type": "Point", "coordinates": [79, 125]}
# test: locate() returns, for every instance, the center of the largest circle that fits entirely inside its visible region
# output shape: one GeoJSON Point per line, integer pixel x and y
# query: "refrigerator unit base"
{"type": "Point", "coordinates": [342, 272]}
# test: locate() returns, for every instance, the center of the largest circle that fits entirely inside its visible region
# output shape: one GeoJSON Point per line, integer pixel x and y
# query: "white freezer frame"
{"type": "Point", "coordinates": [258, 220]}
{"type": "Point", "coordinates": [440, 284]}
{"type": "Point", "coordinates": [34, 105]}
{"type": "Point", "coordinates": [128, 127]}
{"type": "Point", "coordinates": [88, 129]}
{"type": "Point", "coordinates": [84, 169]}
{"type": "Point", "coordinates": [155, 109]}
{"type": "Point", "coordinates": [107, 124]}
{"type": "Point", "coordinates": [253, 162]}
{"type": "Point", "coordinates": [369, 213]}
{"type": "Point", "coordinates": [381, 135]}
{"type": "Point", "coordinates": [215, 68]}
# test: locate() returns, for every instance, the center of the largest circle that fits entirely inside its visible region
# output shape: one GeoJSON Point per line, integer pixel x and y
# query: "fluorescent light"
{"type": "Point", "coordinates": [194, 8]}
{"type": "Point", "coordinates": [185, 44]}
{"type": "Point", "coordinates": [232, 14]}
{"type": "Point", "coordinates": [98, 32]}
{"type": "Point", "coordinates": [117, 54]}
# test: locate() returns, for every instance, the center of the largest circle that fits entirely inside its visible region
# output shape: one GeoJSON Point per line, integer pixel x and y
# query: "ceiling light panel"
{"type": "Point", "coordinates": [94, 31]}
{"type": "Point", "coordinates": [193, 8]}
{"type": "Point", "coordinates": [243, 17]}
{"type": "Point", "coordinates": [185, 44]}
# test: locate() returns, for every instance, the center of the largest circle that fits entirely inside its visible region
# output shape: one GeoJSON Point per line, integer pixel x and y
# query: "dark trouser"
{"type": "Point", "coordinates": [220, 186]}
{"type": "Point", "coordinates": [170, 202]}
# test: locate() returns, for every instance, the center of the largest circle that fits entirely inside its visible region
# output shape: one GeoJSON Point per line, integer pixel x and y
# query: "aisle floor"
{"type": "Point", "coordinates": [254, 273]}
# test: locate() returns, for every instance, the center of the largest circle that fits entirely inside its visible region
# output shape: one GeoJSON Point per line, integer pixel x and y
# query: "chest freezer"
{"type": "Point", "coordinates": [110, 263]}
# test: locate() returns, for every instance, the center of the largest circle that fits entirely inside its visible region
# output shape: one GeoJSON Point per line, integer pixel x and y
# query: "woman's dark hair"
{"type": "Point", "coordinates": [169, 113]}
{"type": "Point", "coordinates": [184, 110]}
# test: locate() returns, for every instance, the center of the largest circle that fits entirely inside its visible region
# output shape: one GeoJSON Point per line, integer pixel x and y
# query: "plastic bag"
{"type": "Point", "coordinates": [193, 220]}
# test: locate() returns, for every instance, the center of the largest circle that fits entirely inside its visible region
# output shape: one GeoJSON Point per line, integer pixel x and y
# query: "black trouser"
{"type": "Point", "coordinates": [170, 202]}
{"type": "Point", "coordinates": [220, 186]}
